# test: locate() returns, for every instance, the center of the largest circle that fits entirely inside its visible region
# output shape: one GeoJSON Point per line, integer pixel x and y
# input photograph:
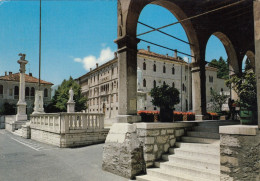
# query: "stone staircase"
{"type": "Point", "coordinates": [18, 132]}
{"type": "Point", "coordinates": [196, 157]}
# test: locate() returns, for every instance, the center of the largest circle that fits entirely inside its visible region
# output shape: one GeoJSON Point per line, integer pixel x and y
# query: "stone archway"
{"type": "Point", "coordinates": [128, 14]}
{"type": "Point", "coordinates": [232, 59]}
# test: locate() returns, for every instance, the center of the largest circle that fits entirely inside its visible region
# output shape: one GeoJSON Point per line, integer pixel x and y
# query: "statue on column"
{"type": "Point", "coordinates": [71, 103]}
{"type": "Point", "coordinates": [71, 93]}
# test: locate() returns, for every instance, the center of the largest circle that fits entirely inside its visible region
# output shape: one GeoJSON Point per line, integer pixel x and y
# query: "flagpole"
{"type": "Point", "coordinates": [40, 41]}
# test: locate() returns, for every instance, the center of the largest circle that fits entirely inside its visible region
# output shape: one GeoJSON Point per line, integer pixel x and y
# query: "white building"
{"type": "Point", "coordinates": [101, 84]}
{"type": "Point", "coordinates": [9, 90]}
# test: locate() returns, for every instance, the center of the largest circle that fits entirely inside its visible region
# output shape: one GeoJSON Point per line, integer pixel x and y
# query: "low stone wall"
{"type": "Point", "coordinates": [2, 122]}
{"type": "Point", "coordinates": [71, 139]}
{"type": "Point", "coordinates": [240, 153]}
{"type": "Point", "coordinates": [9, 123]}
{"type": "Point", "coordinates": [131, 148]}
{"type": "Point", "coordinates": [157, 138]}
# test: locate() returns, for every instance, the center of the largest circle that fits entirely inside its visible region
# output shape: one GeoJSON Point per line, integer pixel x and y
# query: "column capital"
{"type": "Point", "coordinates": [127, 42]}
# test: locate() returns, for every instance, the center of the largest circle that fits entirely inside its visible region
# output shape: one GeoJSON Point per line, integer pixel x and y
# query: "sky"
{"type": "Point", "coordinates": [78, 34]}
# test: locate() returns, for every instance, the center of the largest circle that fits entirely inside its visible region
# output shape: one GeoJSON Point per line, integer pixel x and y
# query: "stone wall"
{"type": "Point", "coordinates": [130, 148]}
{"type": "Point", "coordinates": [240, 153]}
{"type": "Point", "coordinates": [82, 138]}
{"type": "Point", "coordinates": [157, 138]}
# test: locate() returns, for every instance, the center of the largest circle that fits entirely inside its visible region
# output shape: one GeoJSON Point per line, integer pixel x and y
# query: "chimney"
{"type": "Point", "coordinates": [96, 65]}
{"type": "Point", "coordinates": [175, 53]}
{"type": "Point", "coordinates": [30, 74]}
{"type": "Point", "coordinates": [10, 73]}
{"type": "Point", "coordinates": [148, 48]}
{"type": "Point", "coordinates": [167, 55]}
{"type": "Point", "coordinates": [90, 69]}
{"type": "Point", "coordinates": [115, 54]}
{"type": "Point", "coordinates": [5, 73]}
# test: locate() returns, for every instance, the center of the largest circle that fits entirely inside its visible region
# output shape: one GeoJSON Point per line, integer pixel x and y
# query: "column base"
{"type": "Point", "coordinates": [21, 117]}
{"type": "Point", "coordinates": [128, 119]}
{"type": "Point", "coordinates": [200, 117]}
{"type": "Point", "coordinates": [21, 112]}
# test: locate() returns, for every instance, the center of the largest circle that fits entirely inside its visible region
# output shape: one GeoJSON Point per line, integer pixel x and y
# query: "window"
{"type": "Point", "coordinates": [164, 83]}
{"type": "Point", "coordinates": [112, 98]}
{"type": "Point", "coordinates": [45, 92]}
{"type": "Point", "coordinates": [1, 89]}
{"type": "Point", "coordinates": [155, 108]}
{"type": "Point", "coordinates": [10, 92]}
{"type": "Point", "coordinates": [164, 69]}
{"type": "Point", "coordinates": [154, 84]}
{"type": "Point", "coordinates": [222, 90]}
{"type": "Point", "coordinates": [144, 83]}
{"type": "Point", "coordinates": [173, 70]}
{"type": "Point", "coordinates": [210, 78]}
{"type": "Point", "coordinates": [144, 66]}
{"type": "Point", "coordinates": [32, 92]}
{"type": "Point", "coordinates": [173, 85]}
{"type": "Point", "coordinates": [116, 97]}
{"type": "Point", "coordinates": [16, 91]}
{"type": "Point", "coordinates": [183, 87]}
{"type": "Point", "coordinates": [112, 71]}
{"type": "Point", "coordinates": [27, 91]}
{"type": "Point", "coordinates": [154, 67]}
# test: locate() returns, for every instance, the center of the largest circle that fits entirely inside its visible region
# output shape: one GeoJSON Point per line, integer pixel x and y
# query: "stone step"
{"type": "Point", "coordinates": [172, 176]}
{"type": "Point", "coordinates": [190, 170]}
{"type": "Point", "coordinates": [203, 134]}
{"type": "Point", "coordinates": [200, 140]}
{"type": "Point", "coordinates": [192, 154]}
{"type": "Point", "coordinates": [217, 122]}
{"type": "Point", "coordinates": [195, 162]}
{"type": "Point", "coordinates": [148, 178]}
{"type": "Point", "coordinates": [200, 147]}
{"type": "Point", "coordinates": [18, 132]}
{"type": "Point", "coordinates": [174, 151]}
{"type": "Point", "coordinates": [211, 129]}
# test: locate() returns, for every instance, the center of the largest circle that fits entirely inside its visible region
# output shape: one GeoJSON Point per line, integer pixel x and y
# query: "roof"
{"type": "Point", "coordinates": [28, 78]}
{"type": "Point", "coordinates": [156, 55]}
{"type": "Point", "coordinates": [140, 52]}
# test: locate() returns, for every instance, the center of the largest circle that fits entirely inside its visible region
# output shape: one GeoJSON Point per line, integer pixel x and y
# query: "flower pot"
{"type": "Point", "coordinates": [246, 117]}
{"type": "Point", "coordinates": [166, 114]}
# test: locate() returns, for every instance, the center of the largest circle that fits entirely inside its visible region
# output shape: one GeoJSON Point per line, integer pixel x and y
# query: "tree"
{"type": "Point", "coordinates": [7, 109]}
{"type": "Point", "coordinates": [166, 98]}
{"type": "Point", "coordinates": [218, 100]}
{"type": "Point", "coordinates": [222, 66]}
{"type": "Point", "coordinates": [61, 97]}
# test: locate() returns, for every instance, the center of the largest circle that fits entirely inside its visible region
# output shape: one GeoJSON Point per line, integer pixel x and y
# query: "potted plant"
{"type": "Point", "coordinates": [166, 98]}
{"type": "Point", "coordinates": [245, 86]}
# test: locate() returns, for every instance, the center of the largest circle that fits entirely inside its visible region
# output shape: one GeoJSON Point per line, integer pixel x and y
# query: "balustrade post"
{"type": "Point", "coordinates": [84, 122]}
{"type": "Point", "coordinates": [101, 121]}
{"type": "Point", "coordinates": [64, 123]}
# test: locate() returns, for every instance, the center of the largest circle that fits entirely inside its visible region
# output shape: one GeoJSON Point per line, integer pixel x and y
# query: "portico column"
{"type": "Point", "coordinates": [127, 79]}
{"type": "Point", "coordinates": [21, 105]}
{"type": "Point", "coordinates": [257, 51]}
{"type": "Point", "coordinates": [199, 90]}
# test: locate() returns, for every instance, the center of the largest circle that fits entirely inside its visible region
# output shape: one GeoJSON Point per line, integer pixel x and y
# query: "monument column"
{"type": "Point", "coordinates": [257, 51]}
{"type": "Point", "coordinates": [21, 105]}
{"type": "Point", "coordinates": [127, 89]}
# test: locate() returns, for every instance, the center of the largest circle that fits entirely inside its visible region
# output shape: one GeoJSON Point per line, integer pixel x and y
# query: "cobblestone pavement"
{"type": "Point", "coordinates": [28, 160]}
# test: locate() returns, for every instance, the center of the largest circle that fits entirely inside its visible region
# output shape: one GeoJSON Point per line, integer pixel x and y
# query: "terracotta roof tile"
{"type": "Point", "coordinates": [156, 55]}
{"type": "Point", "coordinates": [16, 77]}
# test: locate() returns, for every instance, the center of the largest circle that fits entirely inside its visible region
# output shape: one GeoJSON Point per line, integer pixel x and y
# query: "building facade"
{"type": "Point", "coordinates": [100, 85]}
{"type": "Point", "coordinates": [9, 90]}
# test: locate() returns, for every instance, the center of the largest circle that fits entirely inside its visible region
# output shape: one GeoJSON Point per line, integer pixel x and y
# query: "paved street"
{"type": "Point", "coordinates": [28, 160]}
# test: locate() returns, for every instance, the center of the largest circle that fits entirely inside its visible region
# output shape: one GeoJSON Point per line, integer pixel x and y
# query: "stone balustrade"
{"type": "Point", "coordinates": [67, 129]}
{"type": "Point", "coordinates": [67, 122]}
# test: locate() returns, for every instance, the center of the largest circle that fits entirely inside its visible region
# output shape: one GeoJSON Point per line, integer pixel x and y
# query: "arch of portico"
{"type": "Point", "coordinates": [233, 25]}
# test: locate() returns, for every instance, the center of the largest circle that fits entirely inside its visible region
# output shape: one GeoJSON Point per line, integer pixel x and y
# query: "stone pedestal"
{"type": "Point", "coordinates": [70, 107]}
{"type": "Point", "coordinates": [21, 112]}
{"type": "Point", "coordinates": [38, 103]}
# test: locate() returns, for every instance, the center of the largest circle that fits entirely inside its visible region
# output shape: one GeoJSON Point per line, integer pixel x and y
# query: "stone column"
{"type": "Point", "coordinates": [21, 105]}
{"type": "Point", "coordinates": [257, 51]}
{"type": "Point", "coordinates": [127, 90]}
{"type": "Point", "coordinates": [199, 91]}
